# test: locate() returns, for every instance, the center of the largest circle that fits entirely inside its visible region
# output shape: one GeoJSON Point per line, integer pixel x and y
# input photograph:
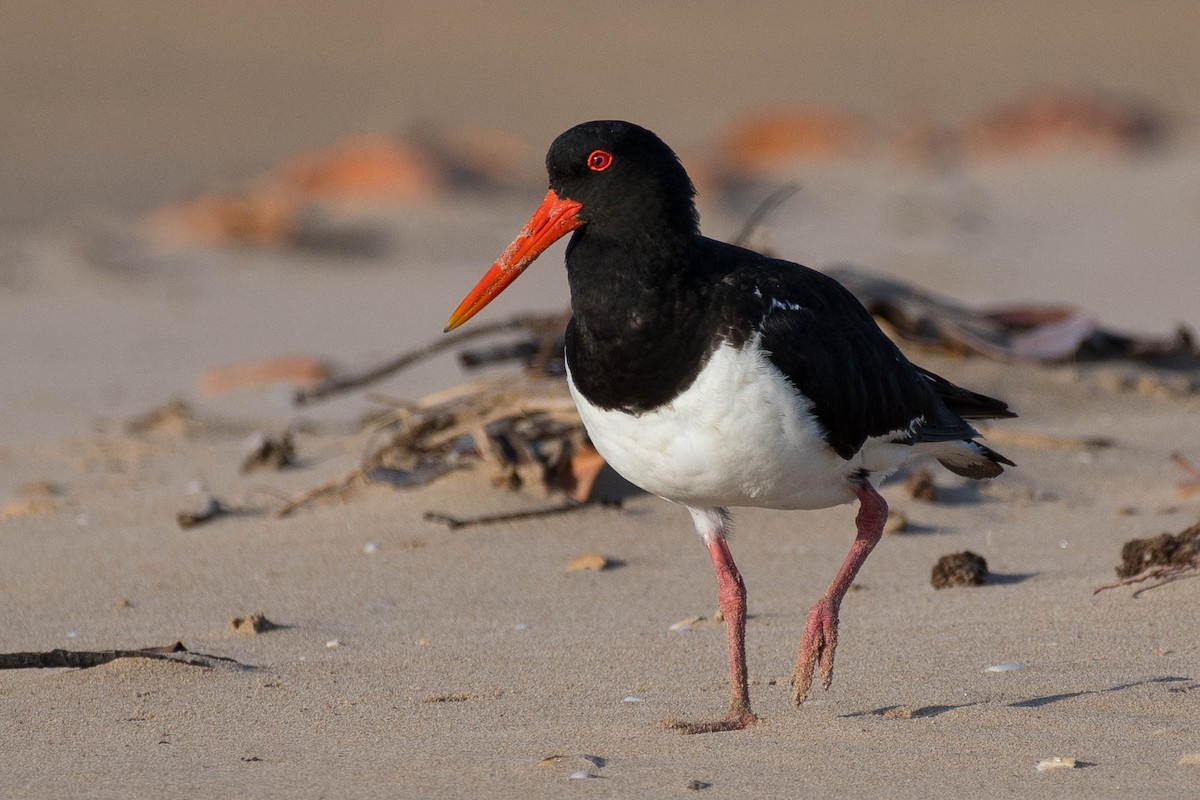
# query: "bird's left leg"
{"type": "Point", "coordinates": [711, 524]}
{"type": "Point", "coordinates": [820, 634]}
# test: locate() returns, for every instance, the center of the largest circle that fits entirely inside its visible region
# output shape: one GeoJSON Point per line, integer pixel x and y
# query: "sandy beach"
{"type": "Point", "coordinates": [413, 660]}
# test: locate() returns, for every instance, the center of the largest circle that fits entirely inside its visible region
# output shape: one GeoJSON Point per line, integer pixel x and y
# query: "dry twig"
{"type": "Point", "coordinates": [333, 487]}
{"type": "Point", "coordinates": [535, 323]}
{"type": "Point", "coordinates": [454, 523]}
{"type": "Point", "coordinates": [1150, 574]}
{"type": "Point", "coordinates": [772, 201]}
{"type": "Point", "coordinates": [1190, 486]}
{"type": "Point", "coordinates": [83, 659]}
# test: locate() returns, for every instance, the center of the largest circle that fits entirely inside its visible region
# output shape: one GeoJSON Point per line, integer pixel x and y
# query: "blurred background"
{"type": "Point", "coordinates": [184, 183]}
{"type": "Point", "coordinates": [127, 103]}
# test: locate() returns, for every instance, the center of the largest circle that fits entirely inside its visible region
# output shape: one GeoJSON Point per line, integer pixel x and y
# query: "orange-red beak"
{"type": "Point", "coordinates": [555, 218]}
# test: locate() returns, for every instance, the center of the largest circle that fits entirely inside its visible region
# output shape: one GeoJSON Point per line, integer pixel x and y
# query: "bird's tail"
{"type": "Point", "coordinates": [968, 458]}
{"type": "Point", "coordinates": [964, 402]}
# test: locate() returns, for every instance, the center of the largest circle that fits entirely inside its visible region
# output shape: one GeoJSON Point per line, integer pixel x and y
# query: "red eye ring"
{"type": "Point", "coordinates": [599, 160]}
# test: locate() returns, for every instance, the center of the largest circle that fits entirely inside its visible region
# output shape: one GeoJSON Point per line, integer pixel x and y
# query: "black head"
{"type": "Point", "coordinates": [610, 182]}
{"type": "Point", "coordinates": [625, 178]}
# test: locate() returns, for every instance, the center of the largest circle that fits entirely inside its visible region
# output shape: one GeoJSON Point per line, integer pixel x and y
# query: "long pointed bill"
{"type": "Point", "coordinates": [555, 218]}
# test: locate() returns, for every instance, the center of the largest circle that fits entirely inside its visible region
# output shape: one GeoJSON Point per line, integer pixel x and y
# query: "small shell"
{"type": "Point", "coordinates": [685, 624]}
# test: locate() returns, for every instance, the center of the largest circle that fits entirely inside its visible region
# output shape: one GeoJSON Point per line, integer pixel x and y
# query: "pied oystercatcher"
{"type": "Point", "coordinates": [714, 376]}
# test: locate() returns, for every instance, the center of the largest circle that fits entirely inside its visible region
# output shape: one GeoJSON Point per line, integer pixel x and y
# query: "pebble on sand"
{"type": "Point", "coordinates": [253, 623]}
{"type": "Point", "coordinates": [592, 561]}
{"type": "Point", "coordinates": [28, 507]}
{"type": "Point", "coordinates": [920, 486]}
{"type": "Point", "coordinates": [896, 522]}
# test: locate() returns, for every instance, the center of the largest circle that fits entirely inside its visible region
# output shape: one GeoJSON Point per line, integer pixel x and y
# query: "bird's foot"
{"type": "Point", "coordinates": [817, 646]}
{"type": "Point", "coordinates": [733, 721]}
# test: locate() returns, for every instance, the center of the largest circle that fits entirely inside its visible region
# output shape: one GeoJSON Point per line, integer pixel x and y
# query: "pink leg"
{"type": "Point", "coordinates": [820, 634]}
{"type": "Point", "coordinates": [731, 598]}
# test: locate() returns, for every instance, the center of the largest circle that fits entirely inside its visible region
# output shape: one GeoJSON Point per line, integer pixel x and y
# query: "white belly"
{"type": "Point", "coordinates": [740, 435]}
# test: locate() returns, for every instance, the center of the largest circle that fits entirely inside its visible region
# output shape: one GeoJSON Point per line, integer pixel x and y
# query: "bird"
{"type": "Point", "coordinates": [717, 377]}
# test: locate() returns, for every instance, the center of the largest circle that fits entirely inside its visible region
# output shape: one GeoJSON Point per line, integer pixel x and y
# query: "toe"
{"type": "Point", "coordinates": [734, 721]}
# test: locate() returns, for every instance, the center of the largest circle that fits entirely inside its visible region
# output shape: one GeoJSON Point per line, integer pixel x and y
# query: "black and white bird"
{"type": "Point", "coordinates": [714, 376]}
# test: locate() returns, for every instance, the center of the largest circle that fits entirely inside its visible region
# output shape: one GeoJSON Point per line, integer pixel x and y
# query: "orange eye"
{"type": "Point", "coordinates": [599, 160]}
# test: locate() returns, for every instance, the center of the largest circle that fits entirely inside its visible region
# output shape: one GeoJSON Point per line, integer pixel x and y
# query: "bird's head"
{"type": "Point", "coordinates": [617, 179]}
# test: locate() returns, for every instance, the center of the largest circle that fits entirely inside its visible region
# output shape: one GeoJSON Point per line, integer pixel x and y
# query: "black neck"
{"type": "Point", "coordinates": [642, 325]}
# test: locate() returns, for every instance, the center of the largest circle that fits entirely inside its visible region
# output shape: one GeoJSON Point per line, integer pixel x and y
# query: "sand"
{"type": "Point", "coordinates": [471, 663]}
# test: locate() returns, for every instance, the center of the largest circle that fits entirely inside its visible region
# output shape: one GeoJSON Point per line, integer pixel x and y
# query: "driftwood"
{"type": "Point", "coordinates": [453, 523]}
{"type": "Point", "coordinates": [1035, 333]}
{"type": "Point", "coordinates": [83, 659]}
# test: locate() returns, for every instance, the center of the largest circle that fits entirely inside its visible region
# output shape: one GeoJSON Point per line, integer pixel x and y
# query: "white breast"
{"type": "Point", "coordinates": [740, 435]}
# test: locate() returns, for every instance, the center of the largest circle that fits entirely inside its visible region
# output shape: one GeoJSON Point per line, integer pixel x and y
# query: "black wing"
{"type": "Point", "coordinates": [860, 384]}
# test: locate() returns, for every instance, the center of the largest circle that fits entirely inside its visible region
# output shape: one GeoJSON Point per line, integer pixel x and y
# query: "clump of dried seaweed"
{"type": "Point", "coordinates": [523, 427]}
{"type": "Point", "coordinates": [1163, 557]}
{"type": "Point", "coordinates": [959, 569]}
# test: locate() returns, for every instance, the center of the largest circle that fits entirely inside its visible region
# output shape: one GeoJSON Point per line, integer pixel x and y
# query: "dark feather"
{"type": "Point", "coordinates": [964, 402]}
